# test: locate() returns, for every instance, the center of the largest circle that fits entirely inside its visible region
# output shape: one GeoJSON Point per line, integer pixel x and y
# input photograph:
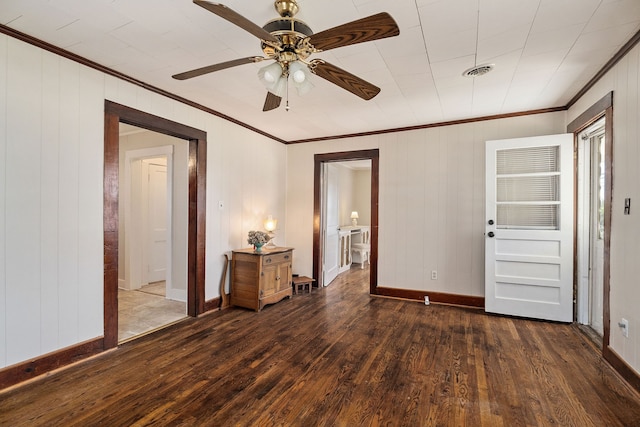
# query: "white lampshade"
{"type": "Point", "coordinates": [296, 72]}
{"type": "Point", "coordinates": [272, 78]}
{"type": "Point", "coordinates": [300, 76]}
{"type": "Point", "coordinates": [270, 224]}
{"type": "Point", "coordinates": [354, 214]}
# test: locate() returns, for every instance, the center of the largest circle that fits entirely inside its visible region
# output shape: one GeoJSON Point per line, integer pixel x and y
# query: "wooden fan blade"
{"type": "Point", "coordinates": [345, 80]}
{"type": "Point", "coordinates": [216, 67]}
{"type": "Point", "coordinates": [367, 29]}
{"type": "Point", "coordinates": [235, 18]}
{"type": "Point", "coordinates": [271, 102]}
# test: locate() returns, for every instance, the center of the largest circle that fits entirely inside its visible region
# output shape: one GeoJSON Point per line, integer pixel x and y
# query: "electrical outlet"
{"type": "Point", "coordinates": [426, 300]}
{"type": "Point", "coordinates": [624, 325]}
{"type": "Point", "coordinates": [434, 274]}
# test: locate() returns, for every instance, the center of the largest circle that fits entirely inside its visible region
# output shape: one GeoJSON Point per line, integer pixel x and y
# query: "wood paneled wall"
{"type": "Point", "coordinates": [431, 203]}
{"type": "Point", "coordinates": [52, 223]}
{"type": "Point", "coordinates": [51, 194]}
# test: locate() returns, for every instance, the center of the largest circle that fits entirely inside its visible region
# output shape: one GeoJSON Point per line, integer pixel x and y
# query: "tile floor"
{"type": "Point", "coordinates": [144, 310]}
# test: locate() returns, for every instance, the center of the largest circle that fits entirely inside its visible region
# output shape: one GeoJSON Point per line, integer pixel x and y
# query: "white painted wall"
{"type": "Point", "coordinates": [362, 195]}
{"type": "Point", "coordinates": [624, 81]}
{"type": "Point", "coordinates": [345, 194]}
{"type": "Point", "coordinates": [431, 202]}
{"type": "Point", "coordinates": [354, 194]}
{"type": "Point", "coordinates": [51, 190]}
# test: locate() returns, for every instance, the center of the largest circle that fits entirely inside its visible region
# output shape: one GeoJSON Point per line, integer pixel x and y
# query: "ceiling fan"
{"type": "Point", "coordinates": [290, 42]}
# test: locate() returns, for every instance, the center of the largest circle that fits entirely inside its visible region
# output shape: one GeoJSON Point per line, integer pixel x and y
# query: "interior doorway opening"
{"type": "Point", "coordinates": [152, 232]}
{"type": "Point", "coordinates": [346, 217]}
{"type": "Point", "coordinates": [195, 203]}
{"type": "Point", "coordinates": [319, 248]}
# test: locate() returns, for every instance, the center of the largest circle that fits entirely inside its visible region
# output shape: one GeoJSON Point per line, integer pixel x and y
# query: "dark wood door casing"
{"type": "Point", "coordinates": [604, 108]}
{"type": "Point", "coordinates": [319, 160]}
{"type": "Point", "coordinates": [114, 114]}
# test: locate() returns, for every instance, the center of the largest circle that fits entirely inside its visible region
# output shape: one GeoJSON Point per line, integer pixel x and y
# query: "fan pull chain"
{"type": "Point", "coordinates": [286, 107]}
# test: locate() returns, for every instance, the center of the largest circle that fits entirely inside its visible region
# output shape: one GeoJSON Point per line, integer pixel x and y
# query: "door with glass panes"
{"type": "Point", "coordinates": [529, 227]}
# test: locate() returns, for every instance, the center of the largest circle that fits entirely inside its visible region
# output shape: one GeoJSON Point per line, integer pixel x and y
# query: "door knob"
{"type": "Point", "coordinates": [491, 234]}
{"type": "Point", "coordinates": [490, 222]}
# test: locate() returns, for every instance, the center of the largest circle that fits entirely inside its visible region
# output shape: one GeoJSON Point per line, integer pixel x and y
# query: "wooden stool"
{"type": "Point", "coordinates": [301, 282]}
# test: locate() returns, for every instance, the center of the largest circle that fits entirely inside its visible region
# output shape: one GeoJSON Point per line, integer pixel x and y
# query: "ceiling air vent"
{"type": "Point", "coordinates": [478, 70]}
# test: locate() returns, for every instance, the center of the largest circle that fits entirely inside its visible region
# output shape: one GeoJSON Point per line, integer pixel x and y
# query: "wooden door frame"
{"type": "Point", "coordinates": [318, 161]}
{"type": "Point", "coordinates": [602, 108]}
{"type": "Point", "coordinates": [113, 116]}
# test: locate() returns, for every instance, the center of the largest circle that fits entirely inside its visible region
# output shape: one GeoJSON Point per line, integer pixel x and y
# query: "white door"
{"type": "Point", "coordinates": [157, 222]}
{"type": "Point", "coordinates": [331, 224]}
{"type": "Point", "coordinates": [529, 227]}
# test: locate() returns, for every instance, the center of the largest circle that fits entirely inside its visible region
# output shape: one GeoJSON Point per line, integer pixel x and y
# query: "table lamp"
{"type": "Point", "coordinates": [270, 225]}
{"type": "Point", "coordinates": [354, 218]}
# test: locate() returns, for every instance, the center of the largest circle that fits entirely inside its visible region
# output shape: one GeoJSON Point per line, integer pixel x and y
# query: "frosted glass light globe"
{"type": "Point", "coordinates": [299, 76]}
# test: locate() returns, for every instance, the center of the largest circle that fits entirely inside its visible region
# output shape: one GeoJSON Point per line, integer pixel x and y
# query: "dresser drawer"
{"type": "Point", "coordinates": [276, 258]}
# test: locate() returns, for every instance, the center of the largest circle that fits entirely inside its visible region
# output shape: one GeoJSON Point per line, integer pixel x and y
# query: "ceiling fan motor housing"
{"type": "Point", "coordinates": [291, 32]}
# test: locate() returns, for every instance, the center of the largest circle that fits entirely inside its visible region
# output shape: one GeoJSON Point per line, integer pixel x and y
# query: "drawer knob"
{"type": "Point", "coordinates": [267, 261]}
{"type": "Point", "coordinates": [286, 257]}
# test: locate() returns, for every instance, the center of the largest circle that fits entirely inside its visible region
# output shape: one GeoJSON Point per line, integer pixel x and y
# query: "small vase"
{"type": "Point", "coordinates": [259, 247]}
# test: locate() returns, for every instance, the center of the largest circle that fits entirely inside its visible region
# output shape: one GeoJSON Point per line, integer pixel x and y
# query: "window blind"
{"type": "Point", "coordinates": [528, 188]}
{"type": "Point", "coordinates": [528, 160]}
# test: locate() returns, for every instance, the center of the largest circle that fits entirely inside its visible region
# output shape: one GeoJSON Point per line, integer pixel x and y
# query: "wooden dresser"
{"type": "Point", "coordinates": [261, 278]}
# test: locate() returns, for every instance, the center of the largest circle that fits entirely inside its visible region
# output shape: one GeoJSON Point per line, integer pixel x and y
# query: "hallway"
{"type": "Point", "coordinates": [146, 309]}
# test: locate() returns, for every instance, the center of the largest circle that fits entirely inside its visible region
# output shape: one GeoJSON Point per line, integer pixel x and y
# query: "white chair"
{"type": "Point", "coordinates": [361, 251]}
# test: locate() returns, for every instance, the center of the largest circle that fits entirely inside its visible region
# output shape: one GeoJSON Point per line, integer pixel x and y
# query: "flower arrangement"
{"type": "Point", "coordinates": [258, 238]}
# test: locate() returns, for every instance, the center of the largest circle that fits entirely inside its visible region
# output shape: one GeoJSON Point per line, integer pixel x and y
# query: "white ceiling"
{"type": "Point", "coordinates": [544, 52]}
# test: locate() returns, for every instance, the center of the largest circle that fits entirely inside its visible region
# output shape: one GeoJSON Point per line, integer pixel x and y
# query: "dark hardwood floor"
{"type": "Point", "coordinates": [337, 357]}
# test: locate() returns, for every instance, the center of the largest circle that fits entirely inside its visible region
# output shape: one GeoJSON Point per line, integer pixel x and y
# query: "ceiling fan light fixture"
{"type": "Point", "coordinates": [298, 72]}
{"type": "Point", "coordinates": [300, 75]}
{"type": "Point", "coordinates": [304, 87]}
{"type": "Point", "coordinates": [279, 88]}
{"type": "Point", "coordinates": [270, 75]}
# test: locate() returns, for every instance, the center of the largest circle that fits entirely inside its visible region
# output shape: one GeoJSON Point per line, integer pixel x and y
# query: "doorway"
{"type": "Point", "coordinates": [346, 205]}
{"type": "Point", "coordinates": [196, 208]}
{"type": "Point", "coordinates": [318, 250]}
{"type": "Point", "coordinates": [603, 108]}
{"type": "Point", "coordinates": [591, 145]}
{"type": "Point", "coordinates": [152, 237]}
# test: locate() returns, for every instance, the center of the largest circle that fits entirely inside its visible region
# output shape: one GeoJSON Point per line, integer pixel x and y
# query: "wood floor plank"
{"type": "Point", "coordinates": [337, 357]}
